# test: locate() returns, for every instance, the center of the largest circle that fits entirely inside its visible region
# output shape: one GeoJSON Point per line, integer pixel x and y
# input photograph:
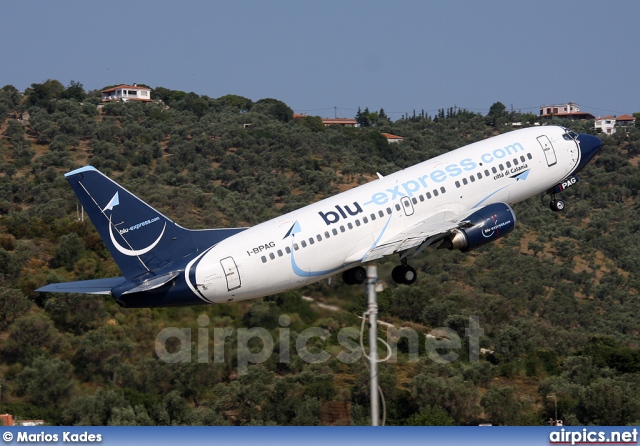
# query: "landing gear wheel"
{"type": "Point", "coordinates": [409, 275]}
{"type": "Point", "coordinates": [404, 274]}
{"type": "Point", "coordinates": [355, 276]}
{"type": "Point", "coordinates": [556, 205]}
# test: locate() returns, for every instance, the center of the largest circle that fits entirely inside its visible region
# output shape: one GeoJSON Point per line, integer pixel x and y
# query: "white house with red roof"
{"type": "Point", "coordinates": [569, 110]}
{"type": "Point", "coordinates": [393, 138]}
{"type": "Point", "coordinates": [126, 93]}
{"type": "Point", "coordinates": [607, 124]}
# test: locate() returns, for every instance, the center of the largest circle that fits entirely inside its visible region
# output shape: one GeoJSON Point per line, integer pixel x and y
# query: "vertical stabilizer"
{"type": "Point", "coordinates": [139, 237]}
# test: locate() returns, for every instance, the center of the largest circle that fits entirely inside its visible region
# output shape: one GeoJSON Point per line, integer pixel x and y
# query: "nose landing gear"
{"type": "Point", "coordinates": [556, 205]}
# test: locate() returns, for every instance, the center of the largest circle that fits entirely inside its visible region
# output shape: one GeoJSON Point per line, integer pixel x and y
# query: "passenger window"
{"type": "Point", "coordinates": [326, 234]}
{"type": "Point", "coordinates": [389, 211]}
{"type": "Point", "coordinates": [472, 178]}
{"type": "Point", "coordinates": [414, 200]}
{"type": "Point", "coordinates": [342, 229]}
{"type": "Point", "coordinates": [335, 231]}
{"type": "Point", "coordinates": [443, 190]}
{"type": "Point", "coordinates": [397, 207]}
{"type": "Point", "coordinates": [529, 156]}
{"type": "Point", "coordinates": [457, 183]}
{"type": "Point", "coordinates": [479, 176]}
{"type": "Point", "coordinates": [295, 246]}
{"type": "Point", "coordinates": [501, 167]}
{"type": "Point", "coordinates": [486, 173]}
{"type": "Point", "coordinates": [264, 259]}
{"type": "Point", "coordinates": [421, 198]}
{"type": "Point", "coordinates": [319, 237]}
{"type": "Point", "coordinates": [428, 194]}
{"type": "Point", "coordinates": [435, 192]}
{"type": "Point", "coordinates": [272, 256]}
{"type": "Point", "coordinates": [464, 181]}
{"type": "Point", "coordinates": [357, 222]}
{"type": "Point", "coordinates": [515, 161]}
{"type": "Point", "coordinates": [349, 225]}
{"type": "Point", "coordinates": [304, 244]}
{"type": "Point", "coordinates": [381, 214]}
{"type": "Point", "coordinates": [365, 220]}
{"type": "Point", "coordinates": [508, 165]}
{"type": "Point", "coordinates": [311, 241]}
{"type": "Point", "coordinates": [373, 217]}
{"type": "Point", "coordinates": [280, 254]}
{"type": "Point", "coordinates": [288, 250]}
{"type": "Point", "coordinates": [494, 170]}
{"type": "Point", "coordinates": [522, 158]}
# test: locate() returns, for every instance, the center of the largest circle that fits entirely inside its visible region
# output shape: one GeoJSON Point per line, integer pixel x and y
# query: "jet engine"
{"type": "Point", "coordinates": [482, 227]}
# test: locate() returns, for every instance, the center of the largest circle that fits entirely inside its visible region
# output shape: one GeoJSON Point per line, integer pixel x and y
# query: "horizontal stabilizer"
{"type": "Point", "coordinates": [152, 284]}
{"type": "Point", "coordinates": [96, 286]}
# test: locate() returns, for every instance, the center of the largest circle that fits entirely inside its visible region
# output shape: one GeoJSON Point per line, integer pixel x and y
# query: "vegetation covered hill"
{"type": "Point", "coordinates": [557, 298]}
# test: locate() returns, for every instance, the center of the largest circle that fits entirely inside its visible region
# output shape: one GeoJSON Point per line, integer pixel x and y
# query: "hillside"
{"type": "Point", "coordinates": [557, 299]}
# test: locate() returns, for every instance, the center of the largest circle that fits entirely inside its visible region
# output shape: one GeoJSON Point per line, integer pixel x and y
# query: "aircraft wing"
{"type": "Point", "coordinates": [414, 239]}
{"type": "Point", "coordinates": [96, 286]}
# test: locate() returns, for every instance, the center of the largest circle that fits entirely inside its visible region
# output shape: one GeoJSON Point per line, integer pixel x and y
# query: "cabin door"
{"type": "Point", "coordinates": [231, 273]}
{"type": "Point", "coordinates": [547, 148]}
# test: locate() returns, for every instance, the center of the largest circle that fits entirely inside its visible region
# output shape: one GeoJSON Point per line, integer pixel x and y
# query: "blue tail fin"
{"type": "Point", "coordinates": [139, 238]}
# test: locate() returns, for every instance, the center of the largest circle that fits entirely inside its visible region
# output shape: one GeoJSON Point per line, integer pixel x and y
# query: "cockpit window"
{"type": "Point", "coordinates": [570, 135]}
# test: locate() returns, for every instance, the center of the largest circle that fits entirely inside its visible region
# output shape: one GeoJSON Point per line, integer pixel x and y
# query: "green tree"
{"type": "Point", "coordinates": [44, 94]}
{"type": "Point", "coordinates": [69, 250]}
{"type": "Point", "coordinates": [74, 91]}
{"type": "Point", "coordinates": [12, 305]}
{"type": "Point", "coordinates": [497, 113]}
{"type": "Point", "coordinates": [501, 405]}
{"type": "Point", "coordinates": [275, 108]}
{"type": "Point", "coordinates": [31, 336]}
{"type": "Point", "coordinates": [47, 381]}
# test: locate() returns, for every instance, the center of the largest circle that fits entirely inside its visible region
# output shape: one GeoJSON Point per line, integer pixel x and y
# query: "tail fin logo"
{"type": "Point", "coordinates": [115, 201]}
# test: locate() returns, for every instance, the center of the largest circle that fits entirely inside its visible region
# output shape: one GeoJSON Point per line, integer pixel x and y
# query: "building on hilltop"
{"type": "Point", "coordinates": [568, 111]}
{"type": "Point", "coordinates": [344, 122]}
{"type": "Point", "coordinates": [126, 93]}
{"type": "Point", "coordinates": [605, 124]}
{"type": "Point", "coordinates": [393, 138]}
{"type": "Point", "coordinates": [608, 124]}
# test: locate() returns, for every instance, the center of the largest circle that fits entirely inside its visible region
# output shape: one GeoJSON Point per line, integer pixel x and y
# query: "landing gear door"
{"type": "Point", "coordinates": [231, 273]}
{"type": "Point", "coordinates": [547, 148]}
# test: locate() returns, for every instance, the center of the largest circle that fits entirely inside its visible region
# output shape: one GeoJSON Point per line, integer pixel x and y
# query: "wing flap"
{"type": "Point", "coordinates": [429, 230]}
{"type": "Point", "coordinates": [96, 286]}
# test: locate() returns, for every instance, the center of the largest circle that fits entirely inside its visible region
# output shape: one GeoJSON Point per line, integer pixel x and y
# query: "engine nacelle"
{"type": "Point", "coordinates": [486, 225]}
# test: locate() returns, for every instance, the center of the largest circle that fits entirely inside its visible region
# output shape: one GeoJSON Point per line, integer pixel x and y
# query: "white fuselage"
{"type": "Point", "coordinates": [336, 234]}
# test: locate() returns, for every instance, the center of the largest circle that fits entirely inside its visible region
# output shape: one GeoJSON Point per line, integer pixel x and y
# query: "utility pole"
{"type": "Point", "coordinates": [372, 277]}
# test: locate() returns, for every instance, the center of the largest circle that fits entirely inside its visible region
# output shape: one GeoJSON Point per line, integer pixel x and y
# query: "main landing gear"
{"type": "Point", "coordinates": [556, 205]}
{"type": "Point", "coordinates": [355, 276]}
{"type": "Point", "coordinates": [401, 274]}
{"type": "Point", "coordinates": [404, 274]}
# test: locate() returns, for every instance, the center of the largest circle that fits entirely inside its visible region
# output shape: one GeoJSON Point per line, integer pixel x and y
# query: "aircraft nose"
{"type": "Point", "coordinates": [589, 146]}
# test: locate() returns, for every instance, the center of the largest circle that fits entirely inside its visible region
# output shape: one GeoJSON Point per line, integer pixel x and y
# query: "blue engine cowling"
{"type": "Point", "coordinates": [486, 225]}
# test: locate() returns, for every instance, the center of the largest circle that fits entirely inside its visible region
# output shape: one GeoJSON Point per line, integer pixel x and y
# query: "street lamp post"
{"type": "Point", "coordinates": [555, 403]}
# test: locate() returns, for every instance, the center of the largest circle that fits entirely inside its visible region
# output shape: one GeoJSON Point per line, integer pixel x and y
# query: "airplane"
{"type": "Point", "coordinates": [458, 200]}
